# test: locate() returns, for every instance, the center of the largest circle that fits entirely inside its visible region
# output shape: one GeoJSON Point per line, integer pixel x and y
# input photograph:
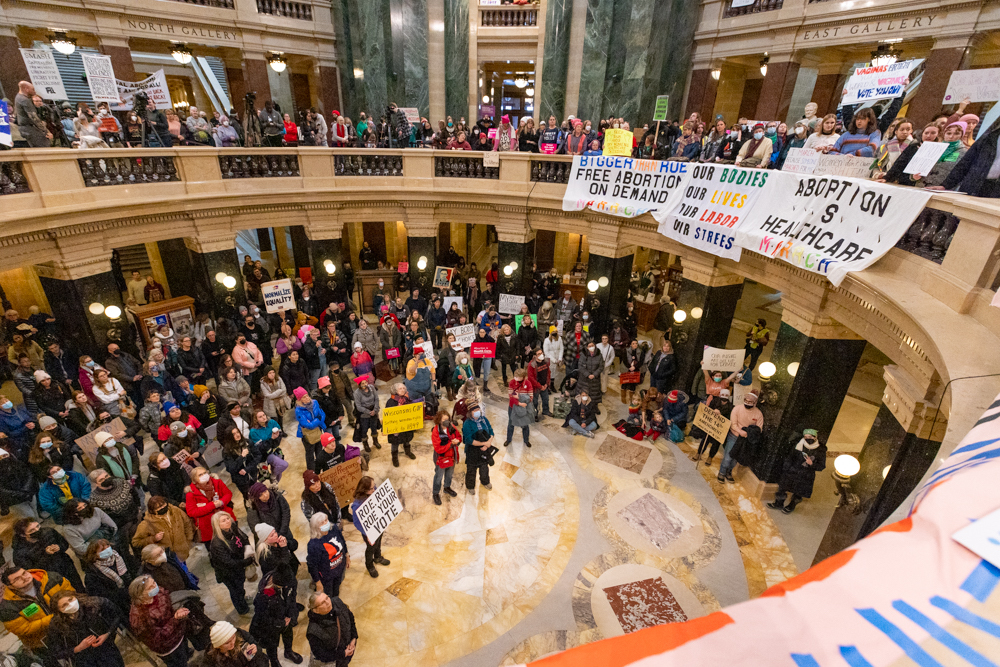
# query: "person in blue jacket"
{"type": "Point", "coordinates": [373, 550]}
{"type": "Point", "coordinates": [61, 487]}
{"type": "Point", "coordinates": [477, 434]}
{"type": "Point", "coordinates": [19, 427]}
{"type": "Point", "coordinates": [326, 554]}
{"type": "Point", "coordinates": [310, 417]}
{"type": "Point", "coordinates": [675, 411]}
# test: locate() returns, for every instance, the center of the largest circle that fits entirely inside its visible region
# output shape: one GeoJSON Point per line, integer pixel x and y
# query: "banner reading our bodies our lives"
{"type": "Point", "coordinates": [622, 186]}
{"type": "Point", "coordinates": [705, 213]}
{"type": "Point", "coordinates": [828, 225]}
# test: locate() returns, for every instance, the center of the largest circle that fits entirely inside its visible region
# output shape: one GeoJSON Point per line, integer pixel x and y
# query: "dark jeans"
{"type": "Point", "coordinates": [373, 552]}
{"type": "Point", "coordinates": [504, 365]}
{"type": "Point", "coordinates": [366, 424]}
{"type": "Point", "coordinates": [236, 593]}
{"type": "Point", "coordinates": [178, 657]}
{"type": "Point", "coordinates": [270, 645]}
{"type": "Point", "coordinates": [780, 496]}
{"type": "Point", "coordinates": [437, 336]}
{"type": "Point", "coordinates": [470, 474]}
{"type": "Point", "coordinates": [543, 397]}
{"type": "Point", "coordinates": [754, 354]}
{"type": "Point", "coordinates": [312, 449]}
{"type": "Point", "coordinates": [397, 439]}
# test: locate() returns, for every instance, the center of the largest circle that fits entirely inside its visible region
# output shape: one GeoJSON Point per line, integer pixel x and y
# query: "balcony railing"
{"type": "Point", "coordinates": [368, 165]}
{"type": "Point", "coordinates": [930, 235]}
{"type": "Point", "coordinates": [127, 170]}
{"type": "Point", "coordinates": [12, 180]}
{"type": "Point", "coordinates": [464, 167]}
{"type": "Point", "coordinates": [221, 4]}
{"type": "Point", "coordinates": [509, 17]}
{"type": "Point", "coordinates": [286, 9]}
{"type": "Point", "coordinates": [757, 7]}
{"type": "Point", "coordinates": [258, 166]}
{"type": "Point", "coordinates": [550, 172]}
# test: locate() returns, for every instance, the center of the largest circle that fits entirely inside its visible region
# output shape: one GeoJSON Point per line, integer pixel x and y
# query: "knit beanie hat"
{"type": "Point", "coordinates": [222, 632]}
{"type": "Point", "coordinates": [45, 422]}
{"type": "Point", "coordinates": [299, 392]}
{"type": "Point", "coordinates": [263, 530]}
{"type": "Point", "coordinates": [102, 437]}
{"type": "Point", "coordinates": [42, 375]}
{"type": "Point", "coordinates": [310, 477]}
{"type": "Point", "coordinates": [324, 381]}
{"type": "Point", "coordinates": [168, 406]}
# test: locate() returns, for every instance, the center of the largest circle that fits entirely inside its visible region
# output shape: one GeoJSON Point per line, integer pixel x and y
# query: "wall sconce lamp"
{"type": "Point", "coordinates": [680, 316]}
{"type": "Point", "coordinates": [329, 266]}
{"type": "Point", "coordinates": [508, 270]}
{"type": "Point", "coordinates": [592, 286]}
{"type": "Point", "coordinates": [793, 368]}
{"type": "Point", "coordinates": [845, 467]}
{"type": "Point", "coordinates": [422, 263]}
{"type": "Point", "coordinates": [113, 313]}
{"type": "Point", "coordinates": [696, 313]}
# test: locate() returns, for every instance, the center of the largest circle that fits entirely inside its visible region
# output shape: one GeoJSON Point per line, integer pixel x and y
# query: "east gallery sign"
{"type": "Point", "coordinates": [868, 28]}
{"type": "Point", "coordinates": [170, 30]}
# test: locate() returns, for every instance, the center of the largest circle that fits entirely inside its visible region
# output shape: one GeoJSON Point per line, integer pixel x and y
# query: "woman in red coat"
{"type": "Point", "coordinates": [207, 496]}
{"type": "Point", "coordinates": [446, 439]}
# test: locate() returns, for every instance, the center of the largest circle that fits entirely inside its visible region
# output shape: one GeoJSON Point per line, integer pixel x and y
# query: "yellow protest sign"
{"type": "Point", "coordinates": [402, 418]}
{"type": "Point", "coordinates": [618, 142]}
{"type": "Point", "coordinates": [715, 425]}
{"type": "Point", "coordinates": [344, 478]}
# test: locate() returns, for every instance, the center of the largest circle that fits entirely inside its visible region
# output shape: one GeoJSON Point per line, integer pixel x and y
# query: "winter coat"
{"type": "Point", "coordinates": [236, 391]}
{"type": "Point", "coordinates": [201, 508]}
{"type": "Point", "coordinates": [17, 483]}
{"type": "Point", "coordinates": [390, 338]}
{"type": "Point", "coordinates": [295, 374]}
{"type": "Point", "coordinates": [155, 626]}
{"type": "Point", "coordinates": [368, 339]}
{"type": "Point", "coordinates": [274, 395]}
{"type": "Point", "coordinates": [175, 526]}
{"type": "Point", "coordinates": [508, 352]}
{"type": "Point", "coordinates": [522, 416]}
{"type": "Point", "coordinates": [272, 605]}
{"type": "Point", "coordinates": [590, 364]}
{"type": "Point", "coordinates": [797, 477]}
{"type": "Point", "coordinates": [311, 417]}
{"type": "Point", "coordinates": [51, 498]}
{"type": "Point", "coordinates": [662, 369]}
{"type": "Point", "coordinates": [326, 556]}
{"type": "Point", "coordinates": [329, 635]}
{"type": "Point", "coordinates": [96, 616]}
{"type": "Point", "coordinates": [215, 658]}
{"type": "Point", "coordinates": [98, 584]}
{"type": "Point", "coordinates": [275, 513]}
{"type": "Point", "coordinates": [445, 452]}
{"type": "Point", "coordinates": [169, 483]}
{"type": "Point", "coordinates": [31, 630]}
{"type": "Point", "coordinates": [475, 456]}
{"type": "Point", "coordinates": [33, 554]}
{"type": "Point", "coordinates": [677, 412]}
{"type": "Point", "coordinates": [969, 174]}
{"type": "Point", "coordinates": [570, 347]}
{"type": "Point", "coordinates": [582, 413]}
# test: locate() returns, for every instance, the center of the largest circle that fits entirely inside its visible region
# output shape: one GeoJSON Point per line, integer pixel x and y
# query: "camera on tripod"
{"type": "Point", "coordinates": [139, 103]}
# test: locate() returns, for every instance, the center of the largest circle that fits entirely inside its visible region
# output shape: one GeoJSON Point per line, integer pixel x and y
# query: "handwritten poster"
{"type": "Point", "coordinates": [618, 142]}
{"type": "Point", "coordinates": [376, 513]}
{"type": "Point", "coordinates": [716, 359]}
{"type": "Point", "coordinates": [879, 82]}
{"type": "Point", "coordinates": [976, 85]}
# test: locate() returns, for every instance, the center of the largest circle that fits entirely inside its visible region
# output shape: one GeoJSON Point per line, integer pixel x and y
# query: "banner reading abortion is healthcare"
{"type": "Point", "coordinates": [829, 225]}
{"type": "Point", "coordinates": [710, 206]}
{"type": "Point", "coordinates": [622, 186]}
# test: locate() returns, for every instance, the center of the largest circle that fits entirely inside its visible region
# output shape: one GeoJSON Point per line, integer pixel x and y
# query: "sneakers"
{"type": "Point", "coordinates": [729, 478]}
{"type": "Point", "coordinates": [382, 561]}
{"type": "Point", "coordinates": [788, 509]}
{"type": "Point", "coordinates": [437, 498]}
{"type": "Point", "coordinates": [373, 572]}
{"type": "Point", "coordinates": [471, 491]}
{"type": "Point", "coordinates": [450, 491]}
{"type": "Point", "coordinates": [489, 487]}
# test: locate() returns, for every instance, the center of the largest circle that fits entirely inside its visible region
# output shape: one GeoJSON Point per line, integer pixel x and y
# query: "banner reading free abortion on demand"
{"type": "Point", "coordinates": [622, 186]}
{"type": "Point", "coordinates": [829, 225]}
{"type": "Point", "coordinates": [706, 212]}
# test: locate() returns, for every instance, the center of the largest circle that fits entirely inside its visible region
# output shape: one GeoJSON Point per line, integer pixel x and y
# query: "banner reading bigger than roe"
{"type": "Point", "coordinates": [829, 225]}
{"type": "Point", "coordinates": [705, 213]}
{"type": "Point", "coordinates": [621, 186]}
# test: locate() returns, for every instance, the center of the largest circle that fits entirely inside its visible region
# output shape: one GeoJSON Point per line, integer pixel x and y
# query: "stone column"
{"type": "Point", "coordinates": [816, 358]}
{"type": "Point", "coordinates": [716, 292]}
{"type": "Point", "coordinates": [701, 94]}
{"type": "Point", "coordinates": [520, 248]}
{"type": "Point", "coordinates": [436, 89]}
{"type": "Point", "coordinates": [828, 89]}
{"type": "Point", "coordinates": [185, 275]}
{"type": "Point", "coordinates": [944, 58]}
{"type": "Point", "coordinates": [13, 70]}
{"type": "Point", "coordinates": [324, 282]}
{"type": "Point", "coordinates": [421, 232]}
{"type": "Point", "coordinates": [551, 96]}
{"type": "Point", "coordinates": [71, 287]}
{"type": "Point", "coordinates": [905, 438]}
{"type": "Point", "coordinates": [121, 57]}
{"type": "Point", "coordinates": [776, 93]}
{"type": "Point", "coordinates": [615, 264]}
{"type": "Point", "coordinates": [209, 257]}
{"type": "Point", "coordinates": [237, 87]}
{"type": "Point", "coordinates": [255, 77]}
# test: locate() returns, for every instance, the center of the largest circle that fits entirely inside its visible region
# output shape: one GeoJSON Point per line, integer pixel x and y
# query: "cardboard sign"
{"type": "Point", "coordinates": [926, 157]}
{"type": "Point", "coordinates": [483, 350]}
{"type": "Point", "coordinates": [403, 267]}
{"type": "Point", "coordinates": [412, 114]}
{"type": "Point", "coordinates": [402, 418]}
{"type": "Point", "coordinates": [464, 334]}
{"type": "Point", "coordinates": [155, 87]}
{"type": "Point", "coordinates": [491, 159]}
{"type": "Point", "coordinates": [448, 300]}
{"type": "Point", "coordinates": [729, 361]}
{"type": "Point", "coordinates": [442, 276]}
{"type": "Point", "coordinates": [278, 295]}
{"type": "Point", "coordinates": [976, 85]}
{"type": "Point", "coordinates": [212, 456]}
{"type": "Point", "coordinates": [715, 425]}
{"type": "Point", "coordinates": [618, 142]}
{"type": "Point", "coordinates": [510, 304]}
{"type": "Point", "coordinates": [89, 445]}
{"type": "Point", "coordinates": [879, 83]}
{"type": "Point", "coordinates": [621, 186]}
{"type": "Point", "coordinates": [101, 78]}
{"type": "Point", "coordinates": [44, 74]}
{"type": "Point", "coordinates": [662, 107]}
{"type": "Point", "coordinates": [376, 513]}
{"type": "Point", "coordinates": [344, 478]}
{"type": "Point", "coordinates": [851, 166]}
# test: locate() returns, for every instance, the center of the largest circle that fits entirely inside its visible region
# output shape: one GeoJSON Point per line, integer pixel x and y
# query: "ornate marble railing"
{"type": "Point", "coordinates": [464, 167]}
{"type": "Point", "coordinates": [12, 180]}
{"type": "Point", "coordinates": [509, 17]}
{"type": "Point", "coordinates": [221, 4]}
{"type": "Point", "coordinates": [258, 166]}
{"type": "Point", "coordinates": [127, 170]}
{"type": "Point", "coordinates": [757, 7]}
{"type": "Point", "coordinates": [550, 172]}
{"type": "Point", "coordinates": [368, 165]}
{"type": "Point", "coordinates": [286, 8]}
{"type": "Point", "coordinates": [930, 235]}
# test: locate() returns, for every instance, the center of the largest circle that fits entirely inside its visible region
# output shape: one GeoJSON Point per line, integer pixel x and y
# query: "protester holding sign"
{"type": "Point", "coordinates": [373, 550]}
{"type": "Point", "coordinates": [861, 138]}
{"type": "Point", "coordinates": [897, 172]}
{"type": "Point", "coordinates": [742, 417]}
{"type": "Point", "coordinates": [977, 174]}
{"type": "Point", "coordinates": [949, 158]}
{"type": "Point", "coordinates": [446, 439]}
{"type": "Point", "coordinates": [400, 396]}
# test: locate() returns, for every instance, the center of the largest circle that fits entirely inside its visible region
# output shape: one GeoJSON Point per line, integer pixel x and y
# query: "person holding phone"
{"type": "Point", "coordinates": [232, 647]}
{"type": "Point", "coordinates": [82, 631]}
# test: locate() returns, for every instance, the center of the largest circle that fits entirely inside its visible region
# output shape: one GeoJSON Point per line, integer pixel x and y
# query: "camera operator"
{"type": "Point", "coordinates": [272, 124]}
{"type": "Point", "coordinates": [157, 128]}
{"type": "Point", "coordinates": [399, 126]}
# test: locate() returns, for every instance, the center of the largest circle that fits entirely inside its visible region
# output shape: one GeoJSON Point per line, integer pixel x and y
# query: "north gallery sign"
{"type": "Point", "coordinates": [871, 28]}
{"type": "Point", "coordinates": [169, 30]}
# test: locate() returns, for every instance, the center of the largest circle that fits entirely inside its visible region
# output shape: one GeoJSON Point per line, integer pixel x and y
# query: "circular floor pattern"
{"type": "Point", "coordinates": [656, 522]}
{"type": "Point", "coordinates": [630, 597]}
{"type": "Point", "coordinates": [618, 456]}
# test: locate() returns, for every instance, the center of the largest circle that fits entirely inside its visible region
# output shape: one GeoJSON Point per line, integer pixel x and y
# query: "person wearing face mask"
{"type": "Point", "coordinates": [154, 622]}
{"type": "Point", "coordinates": [721, 405]}
{"type": "Point", "coordinates": [797, 140]}
{"type": "Point", "coordinates": [741, 418]}
{"type": "Point", "coordinates": [326, 554]}
{"type": "Point", "coordinates": [22, 589]}
{"type": "Point", "coordinates": [60, 488]}
{"type": "Point", "coordinates": [756, 152]}
{"type": "Point", "coordinates": [120, 501]}
{"type": "Point", "coordinates": [582, 416]}
{"type": "Point", "coordinates": [806, 457]}
{"type": "Point", "coordinates": [230, 553]}
{"type": "Point", "coordinates": [477, 434]}
{"type": "Point", "coordinates": [540, 377]}
{"type": "Point", "coordinates": [332, 632]}
{"type": "Point", "coordinates": [716, 381]}
{"type": "Point", "coordinates": [45, 549]}
{"type": "Point", "coordinates": [952, 154]}
{"type": "Point", "coordinates": [83, 627]}
{"type": "Point", "coordinates": [166, 570]}
{"type": "Point", "coordinates": [166, 526]}
{"type": "Point", "coordinates": [276, 612]}
{"type": "Point", "coordinates": [590, 366]}
{"type": "Point", "coordinates": [167, 479]}
{"type": "Point", "coordinates": [445, 439]}
{"type": "Point", "coordinates": [208, 495]}
{"type": "Point", "coordinates": [107, 574]}
{"type": "Point", "coordinates": [83, 523]}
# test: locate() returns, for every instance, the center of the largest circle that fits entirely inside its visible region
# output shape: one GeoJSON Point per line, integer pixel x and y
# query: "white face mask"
{"type": "Point", "coordinates": [182, 433]}
{"type": "Point", "coordinates": [160, 560]}
{"type": "Point", "coordinates": [164, 464]}
{"type": "Point", "coordinates": [73, 606]}
{"type": "Point", "coordinates": [203, 479]}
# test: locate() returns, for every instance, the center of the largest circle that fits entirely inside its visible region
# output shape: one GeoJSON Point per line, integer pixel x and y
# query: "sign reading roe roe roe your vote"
{"type": "Point", "coordinates": [376, 513]}
{"type": "Point", "coordinates": [621, 186]}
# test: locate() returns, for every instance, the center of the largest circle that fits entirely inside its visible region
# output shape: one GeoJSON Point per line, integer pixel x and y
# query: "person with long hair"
{"type": "Point", "coordinates": [154, 622]}
{"type": "Point", "coordinates": [207, 496]}
{"type": "Point", "coordinates": [445, 439]}
{"type": "Point", "coordinates": [45, 549]}
{"type": "Point", "coordinates": [230, 553]}
{"type": "Point", "coordinates": [270, 507]}
{"type": "Point", "coordinates": [861, 138]}
{"type": "Point", "coordinates": [107, 574]}
{"type": "Point", "coordinates": [319, 496]}
{"type": "Point", "coordinates": [240, 460]}
{"type": "Point", "coordinates": [167, 478]}
{"type": "Point", "coordinates": [265, 438]}
{"type": "Point", "coordinates": [49, 451]}
{"type": "Point", "coordinates": [373, 549]}
{"type": "Point", "coordinates": [82, 630]}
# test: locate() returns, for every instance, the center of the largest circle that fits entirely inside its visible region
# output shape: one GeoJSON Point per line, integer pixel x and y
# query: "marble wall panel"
{"type": "Point", "coordinates": [595, 58]}
{"type": "Point", "coordinates": [456, 58]}
{"type": "Point", "coordinates": [345, 25]}
{"type": "Point", "coordinates": [557, 27]}
{"type": "Point", "coordinates": [417, 78]}
{"type": "Point", "coordinates": [372, 44]}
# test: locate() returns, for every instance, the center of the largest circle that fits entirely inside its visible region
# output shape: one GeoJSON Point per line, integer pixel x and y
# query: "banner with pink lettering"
{"type": "Point", "coordinates": [622, 186]}
{"type": "Point", "coordinates": [828, 225]}
{"type": "Point", "coordinates": [879, 82]}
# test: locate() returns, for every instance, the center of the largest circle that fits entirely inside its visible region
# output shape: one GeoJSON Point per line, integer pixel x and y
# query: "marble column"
{"type": "Point", "coordinates": [456, 59]}
{"type": "Point", "coordinates": [416, 81]}
{"type": "Point", "coordinates": [776, 93]}
{"type": "Point", "coordinates": [70, 290]}
{"type": "Point", "coordinates": [716, 292]}
{"type": "Point", "coordinates": [121, 57]}
{"type": "Point", "coordinates": [345, 28]}
{"type": "Point", "coordinates": [255, 79]}
{"type": "Point", "coordinates": [671, 42]}
{"type": "Point", "coordinates": [827, 93]}
{"type": "Point", "coordinates": [324, 282]}
{"type": "Point", "coordinates": [522, 252]}
{"type": "Point", "coordinates": [14, 69]}
{"type": "Point", "coordinates": [417, 247]}
{"type": "Point", "coordinates": [328, 77]}
{"type": "Point", "coordinates": [701, 94]}
{"type": "Point", "coordinates": [596, 43]}
{"type": "Point", "coordinates": [944, 58]}
{"type": "Point", "coordinates": [806, 395]}
{"type": "Point", "coordinates": [237, 87]}
{"type": "Point", "coordinates": [558, 22]}
{"type": "Point", "coordinates": [437, 90]}
{"type": "Point", "coordinates": [209, 258]}
{"type": "Point", "coordinates": [372, 47]}
{"type": "Point", "coordinates": [615, 264]}
{"type": "Point", "coordinates": [185, 275]}
{"type": "Point", "coordinates": [905, 438]}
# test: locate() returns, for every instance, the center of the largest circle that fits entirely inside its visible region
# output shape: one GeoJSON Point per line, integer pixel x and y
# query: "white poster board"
{"type": "Point", "coordinates": [510, 304]}
{"type": "Point", "coordinates": [100, 78]}
{"type": "Point", "coordinates": [376, 513]}
{"type": "Point", "coordinates": [879, 83]}
{"type": "Point", "coordinates": [728, 361]}
{"type": "Point", "coordinates": [44, 74]}
{"type": "Point", "coordinates": [976, 85]}
{"type": "Point", "coordinates": [464, 335]}
{"type": "Point", "coordinates": [491, 159]}
{"type": "Point", "coordinates": [801, 160]}
{"type": "Point", "coordinates": [621, 186]}
{"type": "Point", "coordinates": [448, 300]}
{"type": "Point", "coordinates": [154, 85]}
{"type": "Point", "coordinates": [926, 157]}
{"type": "Point", "coordinates": [412, 114]}
{"type": "Point", "coordinates": [278, 295]}
{"type": "Point", "coordinates": [851, 166]}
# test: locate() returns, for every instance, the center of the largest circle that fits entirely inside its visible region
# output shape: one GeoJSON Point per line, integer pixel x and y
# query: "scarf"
{"type": "Point", "coordinates": [113, 568]}
{"type": "Point", "coordinates": [804, 446]}
{"type": "Point", "coordinates": [119, 462]}
{"type": "Point", "coordinates": [951, 154]}
{"type": "Point", "coordinates": [753, 145]}
{"type": "Point", "coordinates": [683, 142]}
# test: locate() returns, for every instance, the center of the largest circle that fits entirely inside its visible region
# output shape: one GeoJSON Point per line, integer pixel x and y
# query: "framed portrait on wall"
{"type": "Point", "coordinates": [182, 322]}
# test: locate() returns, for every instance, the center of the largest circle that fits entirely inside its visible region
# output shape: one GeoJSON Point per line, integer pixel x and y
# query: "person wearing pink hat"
{"type": "Point", "coordinates": [366, 403]}
{"type": "Point", "coordinates": [312, 422]}
{"type": "Point", "coordinates": [331, 407]}
{"type": "Point", "coordinates": [506, 138]}
{"type": "Point", "coordinates": [971, 121]}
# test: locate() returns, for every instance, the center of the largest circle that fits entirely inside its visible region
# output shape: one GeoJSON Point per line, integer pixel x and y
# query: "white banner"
{"type": "Point", "coordinates": [829, 225]}
{"type": "Point", "coordinates": [100, 78]}
{"type": "Point", "coordinates": [801, 160]}
{"type": "Point", "coordinates": [976, 85]}
{"type": "Point", "coordinates": [621, 186]}
{"type": "Point", "coordinates": [5, 136]}
{"type": "Point", "coordinates": [376, 513]}
{"type": "Point", "coordinates": [713, 201]}
{"type": "Point", "coordinates": [808, 161]}
{"type": "Point", "coordinates": [879, 83]}
{"type": "Point", "coordinates": [278, 295]}
{"type": "Point", "coordinates": [926, 157]}
{"type": "Point", "coordinates": [155, 86]}
{"type": "Point", "coordinates": [728, 361]}
{"type": "Point", "coordinates": [510, 304]}
{"type": "Point", "coordinates": [44, 74]}
{"type": "Point", "coordinates": [464, 335]}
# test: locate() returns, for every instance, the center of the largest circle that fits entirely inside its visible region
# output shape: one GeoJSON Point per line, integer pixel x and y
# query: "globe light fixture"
{"type": "Point", "coordinates": [763, 64]}
{"type": "Point", "coordinates": [696, 313]}
{"type": "Point", "coordinates": [603, 281]}
{"type": "Point", "coordinates": [508, 271]}
{"type": "Point", "coordinates": [513, 265]}
{"type": "Point", "coordinates": [96, 308]}
{"type": "Point", "coordinates": [592, 286]}
{"type": "Point", "coordinates": [182, 54]}
{"type": "Point", "coordinates": [422, 263]}
{"type": "Point", "coordinates": [680, 316]}
{"type": "Point", "coordinates": [767, 370]}
{"type": "Point", "coordinates": [486, 99]}
{"type": "Point", "coordinates": [277, 62]}
{"type": "Point", "coordinates": [229, 282]}
{"type": "Point", "coordinates": [520, 82]}
{"type": "Point", "coordinates": [716, 73]}
{"type": "Point", "coordinates": [846, 465]}
{"type": "Point", "coordinates": [113, 312]}
{"type": "Point", "coordinates": [62, 43]}
{"type": "Point", "coordinates": [220, 277]}
{"type": "Point", "coordinates": [793, 368]}
{"type": "Point", "coordinates": [885, 471]}
{"type": "Point", "coordinates": [329, 266]}
{"type": "Point", "coordinates": [530, 91]}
